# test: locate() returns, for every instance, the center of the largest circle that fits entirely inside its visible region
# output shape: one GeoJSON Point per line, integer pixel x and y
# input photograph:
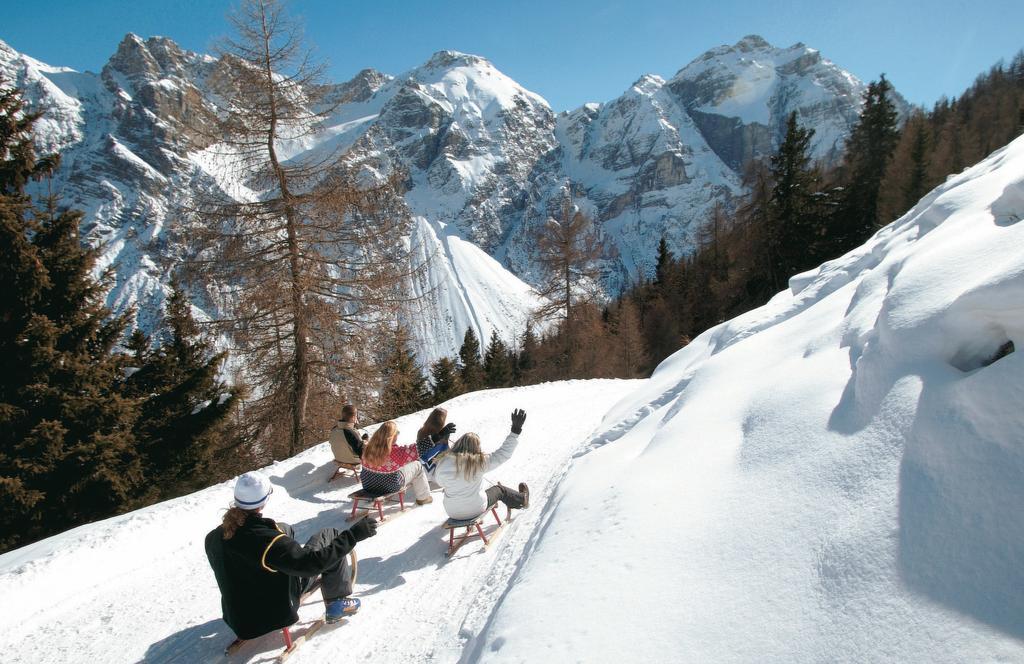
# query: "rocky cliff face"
{"type": "Point", "coordinates": [740, 96]}
{"type": "Point", "coordinates": [485, 160]}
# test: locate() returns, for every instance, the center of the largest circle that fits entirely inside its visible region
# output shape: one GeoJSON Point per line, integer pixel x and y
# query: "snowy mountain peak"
{"type": "Point", "coordinates": [741, 95]}
{"type": "Point", "coordinates": [752, 42]}
{"type": "Point", "coordinates": [133, 59]}
{"type": "Point", "coordinates": [152, 59]}
{"type": "Point", "coordinates": [6, 52]}
{"type": "Point", "coordinates": [360, 88]}
{"type": "Point", "coordinates": [648, 84]}
{"type": "Point", "coordinates": [448, 58]}
{"type": "Point", "coordinates": [470, 78]}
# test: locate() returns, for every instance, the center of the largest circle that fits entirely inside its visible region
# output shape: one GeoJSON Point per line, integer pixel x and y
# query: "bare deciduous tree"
{"type": "Point", "coordinates": [312, 251]}
{"type": "Point", "coordinates": [568, 250]}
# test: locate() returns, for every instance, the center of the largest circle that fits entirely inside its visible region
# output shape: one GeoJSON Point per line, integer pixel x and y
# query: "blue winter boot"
{"type": "Point", "coordinates": [341, 607]}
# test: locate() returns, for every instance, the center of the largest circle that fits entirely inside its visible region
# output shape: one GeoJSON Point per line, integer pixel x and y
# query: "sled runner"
{"type": "Point", "coordinates": [471, 525]}
{"type": "Point", "coordinates": [344, 469]}
{"type": "Point", "coordinates": [376, 503]}
{"type": "Point", "coordinates": [292, 641]}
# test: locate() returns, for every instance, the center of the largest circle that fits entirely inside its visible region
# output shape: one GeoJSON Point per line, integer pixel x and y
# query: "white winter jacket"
{"type": "Point", "coordinates": [465, 499]}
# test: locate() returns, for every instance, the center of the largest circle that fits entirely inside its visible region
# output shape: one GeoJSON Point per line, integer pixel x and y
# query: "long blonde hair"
{"type": "Point", "coordinates": [378, 448]}
{"type": "Point", "coordinates": [469, 460]}
{"type": "Point", "coordinates": [435, 422]}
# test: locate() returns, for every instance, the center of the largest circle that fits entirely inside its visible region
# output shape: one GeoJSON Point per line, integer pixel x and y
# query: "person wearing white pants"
{"type": "Point", "coordinates": [460, 471]}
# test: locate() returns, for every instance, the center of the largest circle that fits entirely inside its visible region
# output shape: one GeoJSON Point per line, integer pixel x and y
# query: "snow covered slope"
{"type": "Point", "coordinates": [462, 288]}
{"type": "Point", "coordinates": [836, 476]}
{"type": "Point", "coordinates": [138, 587]}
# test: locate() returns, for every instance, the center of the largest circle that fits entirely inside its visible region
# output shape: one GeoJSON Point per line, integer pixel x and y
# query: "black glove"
{"type": "Point", "coordinates": [445, 432]}
{"type": "Point", "coordinates": [518, 417]}
{"type": "Point", "coordinates": [364, 528]}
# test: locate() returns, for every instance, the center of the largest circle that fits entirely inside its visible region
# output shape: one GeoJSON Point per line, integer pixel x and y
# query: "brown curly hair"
{"type": "Point", "coordinates": [234, 519]}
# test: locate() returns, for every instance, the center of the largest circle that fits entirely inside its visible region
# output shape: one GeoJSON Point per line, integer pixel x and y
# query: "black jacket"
{"type": "Point", "coordinates": [259, 573]}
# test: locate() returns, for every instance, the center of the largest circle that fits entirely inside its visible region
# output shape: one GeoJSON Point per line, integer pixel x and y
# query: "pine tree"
{"type": "Point", "coordinates": [664, 264]}
{"type": "Point", "coordinates": [917, 182]}
{"type": "Point", "coordinates": [445, 377]}
{"type": "Point", "coordinates": [67, 453]}
{"type": "Point", "coordinates": [526, 361]}
{"type": "Point", "coordinates": [790, 232]}
{"type": "Point", "coordinates": [497, 367]}
{"type": "Point", "coordinates": [404, 387]}
{"type": "Point", "coordinates": [868, 149]}
{"type": "Point", "coordinates": [184, 405]}
{"type": "Point", "coordinates": [471, 372]}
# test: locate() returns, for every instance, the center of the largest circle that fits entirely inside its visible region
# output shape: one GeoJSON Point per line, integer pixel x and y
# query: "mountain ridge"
{"type": "Point", "coordinates": [483, 155]}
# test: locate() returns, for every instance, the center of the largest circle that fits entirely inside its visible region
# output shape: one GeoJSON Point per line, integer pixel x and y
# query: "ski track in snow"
{"type": "Point", "coordinates": [138, 587]}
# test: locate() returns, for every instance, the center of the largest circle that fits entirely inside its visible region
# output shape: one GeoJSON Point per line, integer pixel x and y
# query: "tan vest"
{"type": "Point", "coordinates": [342, 452]}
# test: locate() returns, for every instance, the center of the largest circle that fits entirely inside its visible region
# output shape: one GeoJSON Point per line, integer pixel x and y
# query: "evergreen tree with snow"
{"type": "Point", "coordinates": [404, 387]}
{"type": "Point", "coordinates": [445, 377]}
{"type": "Point", "coordinates": [497, 364]}
{"type": "Point", "coordinates": [185, 407]}
{"type": "Point", "coordinates": [471, 372]}
{"type": "Point", "coordinates": [67, 451]}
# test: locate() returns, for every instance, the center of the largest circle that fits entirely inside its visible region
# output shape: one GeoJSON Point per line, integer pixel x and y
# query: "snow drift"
{"type": "Point", "coordinates": [837, 475]}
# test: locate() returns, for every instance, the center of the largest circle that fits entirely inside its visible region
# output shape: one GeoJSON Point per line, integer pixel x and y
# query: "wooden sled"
{"type": "Point", "coordinates": [345, 469]}
{"type": "Point", "coordinates": [376, 502]}
{"type": "Point", "coordinates": [471, 525]}
{"type": "Point", "coordinates": [292, 643]}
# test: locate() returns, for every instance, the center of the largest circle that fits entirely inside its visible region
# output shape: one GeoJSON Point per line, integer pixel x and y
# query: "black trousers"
{"type": "Point", "coordinates": [335, 582]}
{"type": "Point", "coordinates": [510, 497]}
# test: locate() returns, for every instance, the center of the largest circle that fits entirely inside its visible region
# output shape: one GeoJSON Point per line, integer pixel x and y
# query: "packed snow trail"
{"type": "Point", "coordinates": [138, 587]}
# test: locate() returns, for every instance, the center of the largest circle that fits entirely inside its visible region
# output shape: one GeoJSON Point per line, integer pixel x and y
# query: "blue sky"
{"type": "Point", "coordinates": [569, 52]}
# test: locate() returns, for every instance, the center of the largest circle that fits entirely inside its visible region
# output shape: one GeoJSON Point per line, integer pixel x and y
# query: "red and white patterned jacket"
{"type": "Point", "coordinates": [387, 478]}
{"type": "Point", "coordinates": [400, 455]}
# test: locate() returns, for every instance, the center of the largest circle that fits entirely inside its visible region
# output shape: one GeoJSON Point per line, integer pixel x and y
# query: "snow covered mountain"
{"type": "Point", "coordinates": [487, 161]}
{"type": "Point", "coordinates": [133, 140]}
{"type": "Point", "coordinates": [740, 97]}
{"type": "Point", "coordinates": [836, 476]}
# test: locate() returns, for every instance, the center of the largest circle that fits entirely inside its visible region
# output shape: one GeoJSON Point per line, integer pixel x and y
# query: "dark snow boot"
{"type": "Point", "coordinates": [525, 490]}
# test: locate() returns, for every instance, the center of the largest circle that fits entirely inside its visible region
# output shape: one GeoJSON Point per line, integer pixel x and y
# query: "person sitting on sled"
{"type": "Point", "coordinates": [346, 440]}
{"type": "Point", "coordinates": [388, 468]}
{"type": "Point", "coordinates": [432, 438]}
{"type": "Point", "coordinates": [460, 472]}
{"type": "Point", "coordinates": [262, 572]}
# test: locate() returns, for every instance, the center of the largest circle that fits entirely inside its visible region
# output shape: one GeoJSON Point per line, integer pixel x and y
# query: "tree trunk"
{"type": "Point", "coordinates": [300, 364]}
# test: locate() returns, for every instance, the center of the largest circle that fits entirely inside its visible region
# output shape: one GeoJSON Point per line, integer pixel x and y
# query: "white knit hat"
{"type": "Point", "coordinates": [252, 491]}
